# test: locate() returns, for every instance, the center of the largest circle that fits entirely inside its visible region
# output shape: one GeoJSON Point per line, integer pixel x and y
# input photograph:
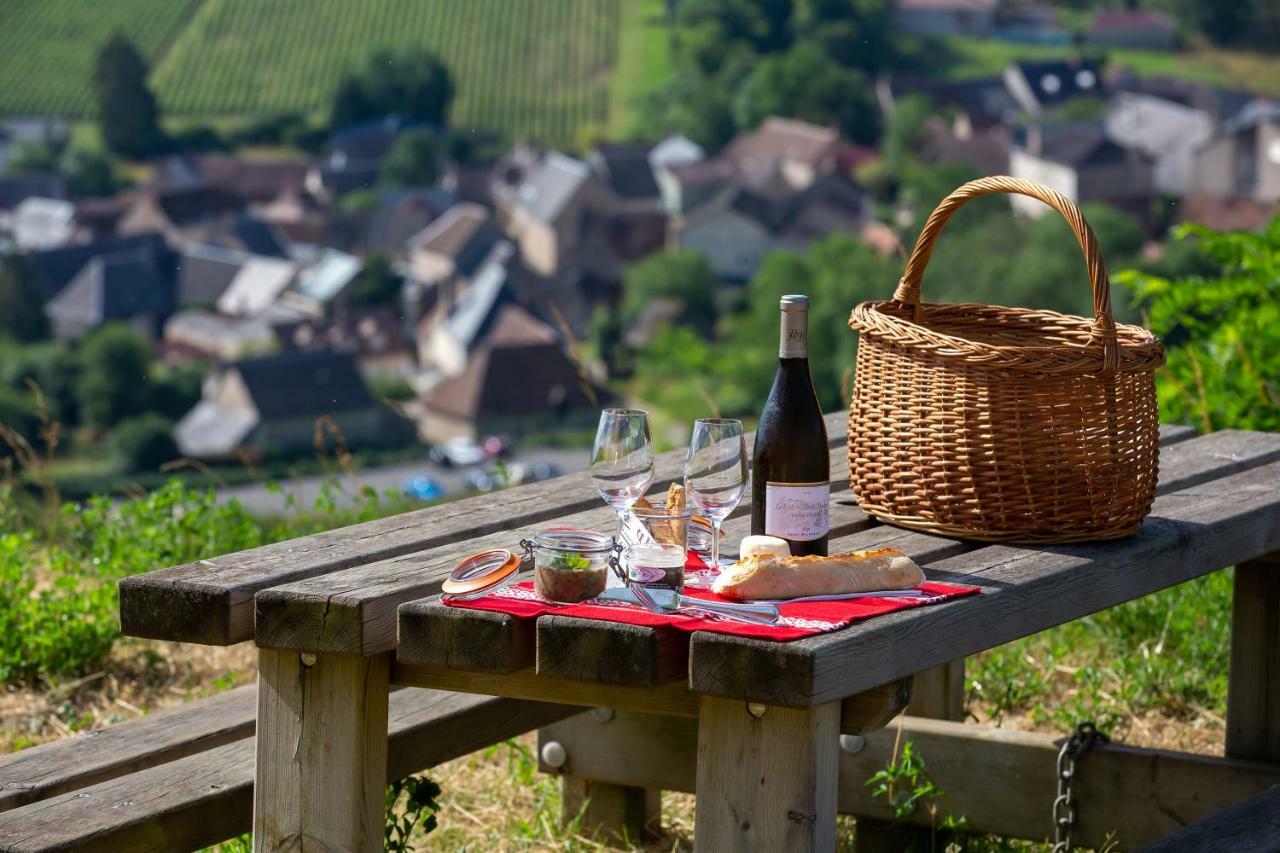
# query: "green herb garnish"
{"type": "Point", "coordinates": [571, 563]}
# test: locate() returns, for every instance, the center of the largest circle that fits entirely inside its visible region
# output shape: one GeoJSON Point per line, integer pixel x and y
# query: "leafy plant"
{"type": "Point", "coordinates": [906, 786]}
{"type": "Point", "coordinates": [571, 563]}
{"type": "Point", "coordinates": [419, 810]}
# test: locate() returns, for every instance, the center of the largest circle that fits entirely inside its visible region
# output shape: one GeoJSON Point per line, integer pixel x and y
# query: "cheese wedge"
{"type": "Point", "coordinates": [762, 546]}
{"type": "Point", "coordinates": [767, 576]}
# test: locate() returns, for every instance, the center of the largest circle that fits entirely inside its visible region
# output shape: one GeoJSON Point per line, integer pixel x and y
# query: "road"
{"type": "Point", "coordinates": [258, 500]}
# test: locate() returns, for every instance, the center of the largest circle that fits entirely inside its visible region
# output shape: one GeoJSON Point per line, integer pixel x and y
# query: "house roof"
{"type": "Point", "coordinates": [777, 208]}
{"type": "Point", "coordinates": [303, 383]}
{"type": "Point", "coordinates": [624, 167]}
{"type": "Point", "coordinates": [1256, 112]}
{"type": "Point", "coordinates": [14, 189]}
{"type": "Point", "coordinates": [986, 100]}
{"type": "Point", "coordinates": [675, 150]}
{"type": "Point", "coordinates": [370, 140]}
{"type": "Point", "coordinates": [474, 312]}
{"type": "Point", "coordinates": [464, 233]}
{"type": "Point", "coordinates": [716, 170]}
{"type": "Point", "coordinates": [56, 267]}
{"type": "Point", "coordinates": [948, 5]}
{"type": "Point", "coordinates": [1074, 144]}
{"type": "Point", "coordinates": [1227, 214]}
{"type": "Point", "coordinates": [117, 286]}
{"type": "Point", "coordinates": [205, 273]}
{"type": "Point", "coordinates": [252, 180]}
{"type": "Point", "coordinates": [520, 369]}
{"type": "Point", "coordinates": [326, 277]}
{"type": "Point", "coordinates": [188, 205]}
{"type": "Point", "coordinates": [256, 285]}
{"type": "Point", "coordinates": [401, 214]}
{"type": "Point", "coordinates": [253, 235]}
{"type": "Point", "coordinates": [210, 429]}
{"type": "Point", "coordinates": [782, 139]}
{"type": "Point", "coordinates": [552, 185]}
{"type": "Point", "coordinates": [1130, 19]}
{"type": "Point", "coordinates": [1056, 80]}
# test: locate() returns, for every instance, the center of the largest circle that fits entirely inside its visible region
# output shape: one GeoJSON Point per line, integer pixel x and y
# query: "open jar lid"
{"type": "Point", "coordinates": [480, 572]}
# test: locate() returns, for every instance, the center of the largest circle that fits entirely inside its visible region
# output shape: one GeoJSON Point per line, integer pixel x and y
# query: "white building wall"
{"type": "Point", "coordinates": [1054, 175]}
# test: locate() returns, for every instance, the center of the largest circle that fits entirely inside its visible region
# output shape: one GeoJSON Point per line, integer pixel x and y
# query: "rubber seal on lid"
{"type": "Point", "coordinates": [481, 572]}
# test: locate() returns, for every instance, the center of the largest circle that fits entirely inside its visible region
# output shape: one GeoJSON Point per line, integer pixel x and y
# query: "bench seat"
{"type": "Point", "coordinates": [152, 794]}
{"type": "Point", "coordinates": [1252, 826]}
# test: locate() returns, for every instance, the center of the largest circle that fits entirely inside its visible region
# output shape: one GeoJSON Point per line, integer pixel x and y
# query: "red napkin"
{"type": "Point", "coordinates": [801, 619]}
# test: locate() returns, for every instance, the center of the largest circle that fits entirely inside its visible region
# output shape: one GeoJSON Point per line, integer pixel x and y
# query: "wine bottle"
{"type": "Point", "coordinates": [790, 480]}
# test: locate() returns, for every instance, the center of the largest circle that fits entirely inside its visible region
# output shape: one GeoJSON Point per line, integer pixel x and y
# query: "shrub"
{"type": "Point", "coordinates": [144, 443]}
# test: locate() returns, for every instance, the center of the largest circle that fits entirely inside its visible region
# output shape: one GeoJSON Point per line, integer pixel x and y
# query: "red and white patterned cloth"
{"type": "Point", "coordinates": [800, 619]}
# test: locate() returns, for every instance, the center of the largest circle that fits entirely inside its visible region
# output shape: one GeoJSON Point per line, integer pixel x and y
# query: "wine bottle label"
{"type": "Point", "coordinates": [797, 511]}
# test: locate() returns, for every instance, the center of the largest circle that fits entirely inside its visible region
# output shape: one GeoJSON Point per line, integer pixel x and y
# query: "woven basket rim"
{"type": "Point", "coordinates": [1138, 348]}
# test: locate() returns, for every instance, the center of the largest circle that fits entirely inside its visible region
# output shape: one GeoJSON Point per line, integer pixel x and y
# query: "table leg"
{"type": "Point", "coordinates": [937, 693]}
{"type": "Point", "coordinates": [766, 776]}
{"type": "Point", "coordinates": [1253, 687]}
{"type": "Point", "coordinates": [320, 777]}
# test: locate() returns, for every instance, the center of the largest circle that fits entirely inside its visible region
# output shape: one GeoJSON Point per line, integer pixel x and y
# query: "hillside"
{"type": "Point", "coordinates": [540, 68]}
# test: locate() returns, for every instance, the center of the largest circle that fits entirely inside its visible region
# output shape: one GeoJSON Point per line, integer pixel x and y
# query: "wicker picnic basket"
{"type": "Point", "coordinates": [1003, 424]}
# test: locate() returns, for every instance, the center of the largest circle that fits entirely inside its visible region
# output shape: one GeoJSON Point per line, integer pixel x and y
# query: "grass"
{"type": "Point", "coordinates": [644, 64]}
{"type": "Point", "coordinates": [974, 57]}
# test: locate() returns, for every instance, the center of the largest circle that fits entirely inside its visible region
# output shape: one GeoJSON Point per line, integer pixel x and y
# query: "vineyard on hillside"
{"type": "Point", "coordinates": [535, 67]}
{"type": "Point", "coordinates": [47, 47]}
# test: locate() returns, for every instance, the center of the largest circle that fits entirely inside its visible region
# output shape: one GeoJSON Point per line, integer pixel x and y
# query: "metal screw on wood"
{"type": "Point", "coordinates": [307, 659]}
{"type": "Point", "coordinates": [756, 710]}
{"type": "Point", "coordinates": [852, 744]}
{"type": "Point", "coordinates": [553, 754]}
{"type": "Point", "coordinates": [602, 715]}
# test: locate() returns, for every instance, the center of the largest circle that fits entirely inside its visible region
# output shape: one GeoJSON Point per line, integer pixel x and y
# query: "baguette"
{"type": "Point", "coordinates": [766, 576]}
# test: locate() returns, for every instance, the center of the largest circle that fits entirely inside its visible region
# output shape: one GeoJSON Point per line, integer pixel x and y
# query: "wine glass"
{"type": "Point", "coordinates": [622, 459]}
{"type": "Point", "coordinates": [715, 472]}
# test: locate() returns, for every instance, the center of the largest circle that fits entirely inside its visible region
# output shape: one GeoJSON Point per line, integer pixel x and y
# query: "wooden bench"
{"type": "Point", "coordinates": [183, 778]}
{"type": "Point", "coordinates": [1252, 826]}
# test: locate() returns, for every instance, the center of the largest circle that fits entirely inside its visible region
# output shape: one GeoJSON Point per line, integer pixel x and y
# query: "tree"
{"type": "Point", "coordinates": [114, 381]}
{"type": "Point", "coordinates": [30, 157]}
{"type": "Point", "coordinates": [21, 302]}
{"type": "Point", "coordinates": [684, 276]}
{"type": "Point", "coordinates": [51, 368]}
{"type": "Point", "coordinates": [144, 443]}
{"type": "Point", "coordinates": [697, 106]}
{"type": "Point", "coordinates": [18, 421]}
{"type": "Point", "coordinates": [410, 82]}
{"type": "Point", "coordinates": [804, 83]}
{"type": "Point", "coordinates": [88, 173]}
{"type": "Point", "coordinates": [127, 110]}
{"type": "Point", "coordinates": [414, 160]}
{"type": "Point", "coordinates": [378, 283]}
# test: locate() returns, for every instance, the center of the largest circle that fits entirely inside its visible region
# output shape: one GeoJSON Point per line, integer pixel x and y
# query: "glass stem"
{"type": "Point", "coordinates": [715, 544]}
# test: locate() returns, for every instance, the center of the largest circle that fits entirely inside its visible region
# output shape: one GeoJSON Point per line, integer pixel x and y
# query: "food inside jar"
{"type": "Point", "coordinates": [569, 578]}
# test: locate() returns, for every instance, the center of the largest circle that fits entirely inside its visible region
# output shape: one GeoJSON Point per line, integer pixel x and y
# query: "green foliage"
{"type": "Point", "coordinates": [409, 81]}
{"type": "Point", "coordinates": [19, 421]}
{"type": "Point", "coordinates": [807, 84]}
{"type": "Point", "coordinates": [390, 387]}
{"type": "Point", "coordinates": [127, 111]}
{"type": "Point", "coordinates": [414, 160]}
{"type": "Point", "coordinates": [175, 389]}
{"type": "Point", "coordinates": [29, 158]}
{"type": "Point", "coordinates": [684, 276]}
{"type": "Point", "coordinates": [906, 786]}
{"type": "Point", "coordinates": [49, 367]}
{"type": "Point", "coordinates": [1222, 332]}
{"type": "Point", "coordinates": [21, 302]}
{"type": "Point", "coordinates": [378, 282]}
{"type": "Point", "coordinates": [113, 382]}
{"type": "Point", "coordinates": [144, 443]}
{"type": "Point", "coordinates": [419, 810]}
{"type": "Point", "coordinates": [89, 173]}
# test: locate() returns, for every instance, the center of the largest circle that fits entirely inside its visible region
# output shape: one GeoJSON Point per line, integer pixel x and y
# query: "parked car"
{"type": "Point", "coordinates": [457, 452]}
{"type": "Point", "coordinates": [423, 488]}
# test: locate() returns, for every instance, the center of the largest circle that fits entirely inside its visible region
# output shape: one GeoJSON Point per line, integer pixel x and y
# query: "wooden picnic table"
{"type": "Point", "coordinates": [342, 618]}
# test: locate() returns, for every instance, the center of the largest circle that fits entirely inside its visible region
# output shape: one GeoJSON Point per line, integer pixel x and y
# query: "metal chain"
{"type": "Point", "coordinates": [1064, 808]}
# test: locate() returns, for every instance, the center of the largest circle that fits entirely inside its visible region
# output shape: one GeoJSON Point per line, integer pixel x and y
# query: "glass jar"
{"type": "Point", "coordinates": [664, 526]}
{"type": "Point", "coordinates": [569, 564]}
{"type": "Point", "coordinates": [659, 565]}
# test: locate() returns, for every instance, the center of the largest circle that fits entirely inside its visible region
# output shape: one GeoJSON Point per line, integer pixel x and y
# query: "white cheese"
{"type": "Point", "coordinates": [763, 545]}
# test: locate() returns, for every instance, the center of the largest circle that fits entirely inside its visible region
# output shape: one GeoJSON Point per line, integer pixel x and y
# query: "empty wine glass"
{"type": "Point", "coordinates": [622, 459]}
{"type": "Point", "coordinates": [715, 472]}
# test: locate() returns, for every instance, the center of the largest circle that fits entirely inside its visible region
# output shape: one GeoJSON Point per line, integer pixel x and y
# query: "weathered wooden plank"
{"type": "Point", "coordinates": [211, 601]}
{"type": "Point", "coordinates": [1001, 781]}
{"type": "Point", "coordinates": [1190, 533]}
{"type": "Point", "coordinates": [92, 757]}
{"type": "Point", "coordinates": [766, 777]}
{"type": "Point", "coordinates": [938, 692]}
{"type": "Point", "coordinates": [1252, 825]}
{"type": "Point", "coordinates": [205, 798]}
{"type": "Point", "coordinates": [353, 611]}
{"type": "Point", "coordinates": [613, 813]}
{"type": "Point", "coordinates": [321, 751]}
{"type": "Point", "coordinates": [1174, 433]}
{"type": "Point", "coordinates": [1253, 689]}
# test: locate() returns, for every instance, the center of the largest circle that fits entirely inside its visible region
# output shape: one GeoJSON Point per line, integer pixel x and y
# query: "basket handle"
{"type": "Point", "coordinates": [1104, 324]}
